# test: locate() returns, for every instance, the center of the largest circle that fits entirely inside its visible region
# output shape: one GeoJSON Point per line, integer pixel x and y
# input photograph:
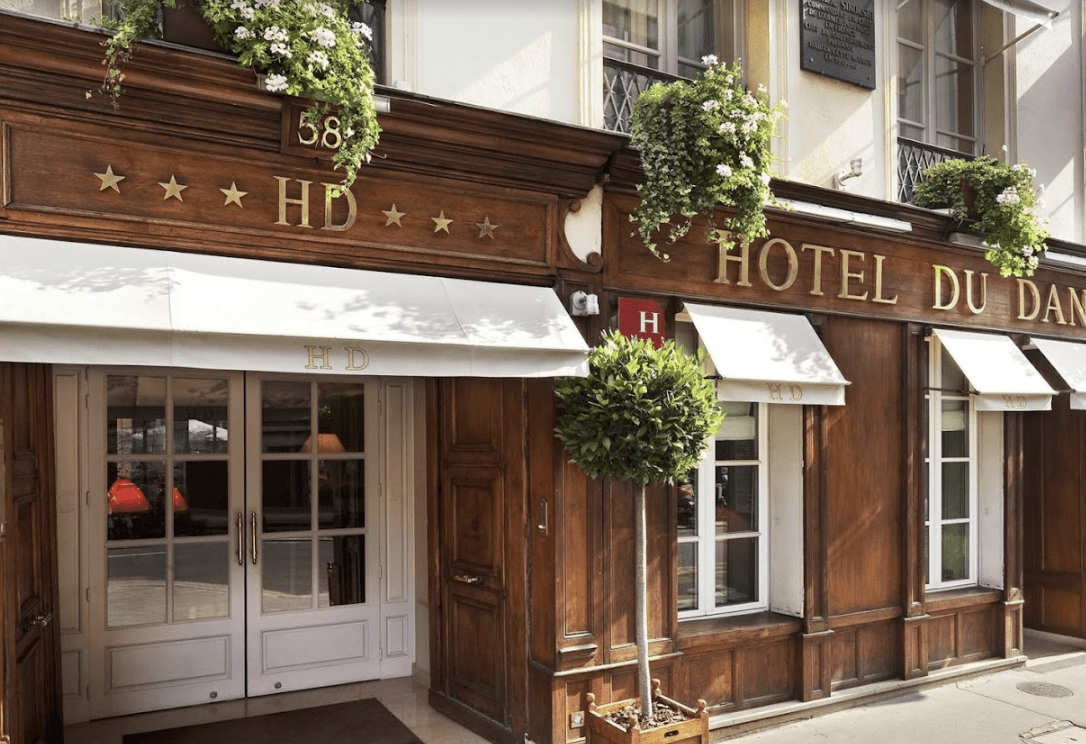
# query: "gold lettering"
{"type": "Point", "coordinates": [1054, 305]}
{"type": "Point", "coordinates": [774, 391]}
{"type": "Point", "coordinates": [743, 259]}
{"type": "Point", "coordinates": [1023, 285]}
{"type": "Point", "coordinates": [1078, 305]}
{"type": "Point", "coordinates": [796, 391]}
{"type": "Point", "coordinates": [816, 283]}
{"type": "Point", "coordinates": [793, 264]}
{"type": "Point", "coordinates": [955, 290]}
{"type": "Point", "coordinates": [333, 191]}
{"type": "Point", "coordinates": [284, 201]}
{"type": "Point", "coordinates": [973, 307]}
{"type": "Point", "coordinates": [846, 275]}
{"type": "Point", "coordinates": [357, 358]}
{"type": "Point", "coordinates": [318, 353]}
{"type": "Point", "coordinates": [878, 283]}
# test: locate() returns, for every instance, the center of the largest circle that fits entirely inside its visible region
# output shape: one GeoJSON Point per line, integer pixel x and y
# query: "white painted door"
{"type": "Point", "coordinates": [235, 534]}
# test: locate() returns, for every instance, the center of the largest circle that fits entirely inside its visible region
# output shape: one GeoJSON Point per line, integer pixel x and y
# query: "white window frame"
{"type": "Point", "coordinates": [933, 521]}
{"type": "Point", "coordinates": [706, 539]}
{"type": "Point", "coordinates": [668, 51]}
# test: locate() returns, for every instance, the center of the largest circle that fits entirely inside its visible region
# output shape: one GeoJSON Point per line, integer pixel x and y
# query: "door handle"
{"type": "Point", "coordinates": [43, 620]}
{"type": "Point", "coordinates": [252, 531]}
{"type": "Point", "coordinates": [468, 578]}
{"type": "Point", "coordinates": [241, 539]}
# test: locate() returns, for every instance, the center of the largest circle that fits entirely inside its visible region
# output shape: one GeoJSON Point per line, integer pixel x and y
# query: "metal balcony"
{"type": "Point", "coordinates": [622, 84]}
{"type": "Point", "coordinates": [912, 158]}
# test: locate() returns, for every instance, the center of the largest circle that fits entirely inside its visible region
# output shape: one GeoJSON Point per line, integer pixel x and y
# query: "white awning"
{"type": "Point", "coordinates": [1069, 359]}
{"type": "Point", "coordinates": [75, 303]}
{"type": "Point", "coordinates": [768, 357]}
{"type": "Point", "coordinates": [1003, 378]}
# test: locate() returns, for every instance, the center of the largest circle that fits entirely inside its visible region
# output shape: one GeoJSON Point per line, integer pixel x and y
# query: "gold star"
{"type": "Point", "coordinates": [109, 179]}
{"type": "Point", "coordinates": [393, 216]}
{"type": "Point", "coordinates": [486, 229]}
{"type": "Point", "coordinates": [442, 222]}
{"type": "Point", "coordinates": [232, 194]}
{"type": "Point", "coordinates": [173, 188]}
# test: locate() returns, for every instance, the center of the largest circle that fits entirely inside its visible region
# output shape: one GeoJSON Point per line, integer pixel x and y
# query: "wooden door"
{"type": "Point", "coordinates": [480, 535]}
{"type": "Point", "coordinates": [30, 702]}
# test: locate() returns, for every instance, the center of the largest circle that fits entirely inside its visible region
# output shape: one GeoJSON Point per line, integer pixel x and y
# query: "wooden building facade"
{"type": "Point", "coordinates": [796, 566]}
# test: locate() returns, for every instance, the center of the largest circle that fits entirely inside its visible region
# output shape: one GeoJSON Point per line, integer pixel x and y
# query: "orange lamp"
{"type": "Point", "coordinates": [125, 497]}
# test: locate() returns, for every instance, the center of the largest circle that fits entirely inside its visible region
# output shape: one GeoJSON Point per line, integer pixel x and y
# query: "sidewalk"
{"type": "Point", "coordinates": [1043, 702]}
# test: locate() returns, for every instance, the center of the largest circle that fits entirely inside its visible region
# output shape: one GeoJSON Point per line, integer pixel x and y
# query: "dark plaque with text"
{"type": "Point", "coordinates": [838, 40]}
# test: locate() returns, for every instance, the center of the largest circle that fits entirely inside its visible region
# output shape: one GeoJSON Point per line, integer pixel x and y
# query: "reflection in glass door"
{"type": "Point", "coordinates": [312, 499]}
{"type": "Point", "coordinates": [171, 476]}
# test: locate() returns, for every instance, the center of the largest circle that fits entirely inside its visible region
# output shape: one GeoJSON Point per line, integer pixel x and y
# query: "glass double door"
{"type": "Point", "coordinates": [235, 550]}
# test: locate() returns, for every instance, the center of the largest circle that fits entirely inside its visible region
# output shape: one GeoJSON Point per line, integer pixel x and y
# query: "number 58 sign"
{"type": "Point", "coordinates": [303, 138]}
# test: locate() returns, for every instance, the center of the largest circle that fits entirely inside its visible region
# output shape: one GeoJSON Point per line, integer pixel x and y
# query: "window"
{"type": "Point", "coordinates": [951, 504]}
{"type": "Point", "coordinates": [722, 519]}
{"type": "Point", "coordinates": [64, 10]}
{"type": "Point", "coordinates": [646, 41]}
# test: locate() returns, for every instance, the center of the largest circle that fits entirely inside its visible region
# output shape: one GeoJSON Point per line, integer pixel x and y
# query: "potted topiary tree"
{"type": "Point", "coordinates": [642, 414]}
{"type": "Point", "coordinates": [997, 200]}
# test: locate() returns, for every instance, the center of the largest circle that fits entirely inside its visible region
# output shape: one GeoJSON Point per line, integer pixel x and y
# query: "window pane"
{"type": "Point", "coordinates": [954, 98]}
{"type": "Point", "coordinates": [287, 570]}
{"type": "Point", "coordinates": [135, 414]}
{"type": "Point", "coordinates": [136, 592]}
{"type": "Point", "coordinates": [955, 552]}
{"type": "Point", "coordinates": [736, 571]}
{"type": "Point", "coordinates": [697, 29]}
{"type": "Point", "coordinates": [688, 506]}
{"type": "Point", "coordinates": [954, 27]}
{"type": "Point", "coordinates": [688, 576]}
{"type": "Point", "coordinates": [955, 490]}
{"type": "Point", "coordinates": [910, 89]}
{"type": "Point", "coordinates": [285, 422]}
{"type": "Point", "coordinates": [199, 416]}
{"type": "Point", "coordinates": [200, 498]}
{"type": "Point", "coordinates": [287, 496]}
{"type": "Point", "coordinates": [952, 377]}
{"type": "Point", "coordinates": [342, 499]}
{"type": "Point", "coordinates": [736, 498]}
{"type": "Point", "coordinates": [342, 574]}
{"type": "Point", "coordinates": [955, 426]}
{"type": "Point", "coordinates": [635, 21]}
{"type": "Point", "coordinates": [738, 435]}
{"type": "Point", "coordinates": [201, 583]}
{"type": "Point", "coordinates": [137, 509]}
{"type": "Point", "coordinates": [621, 53]}
{"type": "Point", "coordinates": [910, 24]}
{"type": "Point", "coordinates": [340, 416]}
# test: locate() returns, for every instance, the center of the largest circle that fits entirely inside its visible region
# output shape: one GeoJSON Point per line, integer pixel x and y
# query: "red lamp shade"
{"type": "Point", "coordinates": [179, 503]}
{"type": "Point", "coordinates": [125, 497]}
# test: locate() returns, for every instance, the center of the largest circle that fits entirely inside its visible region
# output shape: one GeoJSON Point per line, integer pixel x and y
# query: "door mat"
{"type": "Point", "coordinates": [357, 722]}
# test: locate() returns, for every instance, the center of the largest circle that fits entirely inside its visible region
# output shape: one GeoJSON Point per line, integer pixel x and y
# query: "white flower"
{"type": "Point", "coordinates": [239, 5]}
{"type": "Point", "coordinates": [1027, 251]}
{"type": "Point", "coordinates": [709, 60]}
{"type": "Point", "coordinates": [362, 30]}
{"type": "Point", "coordinates": [281, 49]}
{"type": "Point", "coordinates": [326, 10]}
{"type": "Point", "coordinates": [274, 33]}
{"type": "Point", "coordinates": [243, 33]}
{"type": "Point", "coordinates": [319, 58]}
{"type": "Point", "coordinates": [762, 88]}
{"type": "Point", "coordinates": [727, 127]}
{"type": "Point", "coordinates": [1034, 261]}
{"type": "Point", "coordinates": [324, 37]}
{"type": "Point", "coordinates": [275, 83]}
{"type": "Point", "coordinates": [711, 105]}
{"type": "Point", "coordinates": [764, 178]}
{"type": "Point", "coordinates": [1016, 167]}
{"type": "Point", "coordinates": [745, 160]}
{"type": "Point", "coordinates": [724, 170]}
{"type": "Point", "coordinates": [1009, 196]}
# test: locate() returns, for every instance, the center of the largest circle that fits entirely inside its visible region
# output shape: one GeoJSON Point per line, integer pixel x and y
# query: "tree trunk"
{"type": "Point", "coordinates": [641, 615]}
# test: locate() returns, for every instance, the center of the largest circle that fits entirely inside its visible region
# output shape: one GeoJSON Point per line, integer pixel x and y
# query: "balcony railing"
{"type": "Point", "coordinates": [622, 84]}
{"type": "Point", "coordinates": [912, 158]}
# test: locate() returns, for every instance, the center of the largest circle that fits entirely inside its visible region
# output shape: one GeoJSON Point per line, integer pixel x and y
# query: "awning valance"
{"type": "Point", "coordinates": [1069, 360]}
{"type": "Point", "coordinates": [767, 357]}
{"type": "Point", "coordinates": [63, 302]}
{"type": "Point", "coordinates": [1004, 380]}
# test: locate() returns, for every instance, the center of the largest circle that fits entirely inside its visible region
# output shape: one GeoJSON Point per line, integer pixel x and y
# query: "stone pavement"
{"type": "Point", "coordinates": [1042, 702]}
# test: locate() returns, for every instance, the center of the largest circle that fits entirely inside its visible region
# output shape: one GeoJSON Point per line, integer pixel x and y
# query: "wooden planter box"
{"type": "Point", "coordinates": [184, 25]}
{"type": "Point", "coordinates": [601, 730]}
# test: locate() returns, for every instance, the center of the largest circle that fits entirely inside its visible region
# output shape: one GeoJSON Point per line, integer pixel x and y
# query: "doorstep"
{"type": "Point", "coordinates": [730, 725]}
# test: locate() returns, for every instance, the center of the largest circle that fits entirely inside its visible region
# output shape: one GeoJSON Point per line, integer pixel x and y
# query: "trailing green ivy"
{"type": "Point", "coordinates": [703, 143]}
{"type": "Point", "coordinates": [1004, 205]}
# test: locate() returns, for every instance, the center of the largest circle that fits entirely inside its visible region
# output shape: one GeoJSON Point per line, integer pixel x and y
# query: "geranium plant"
{"type": "Point", "coordinates": [304, 48]}
{"type": "Point", "coordinates": [702, 144]}
{"type": "Point", "coordinates": [997, 200]}
{"type": "Point", "coordinates": [642, 414]}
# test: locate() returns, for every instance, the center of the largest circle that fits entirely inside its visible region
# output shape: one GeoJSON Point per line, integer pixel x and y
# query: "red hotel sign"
{"type": "Point", "coordinates": [641, 319]}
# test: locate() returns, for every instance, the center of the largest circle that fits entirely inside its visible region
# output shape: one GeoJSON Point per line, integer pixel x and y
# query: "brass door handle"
{"type": "Point", "coordinates": [241, 539]}
{"type": "Point", "coordinates": [43, 620]}
{"type": "Point", "coordinates": [252, 530]}
{"type": "Point", "coordinates": [468, 579]}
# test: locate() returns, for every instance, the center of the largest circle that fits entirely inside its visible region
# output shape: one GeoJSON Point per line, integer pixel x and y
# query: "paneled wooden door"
{"type": "Point", "coordinates": [30, 697]}
{"type": "Point", "coordinates": [235, 540]}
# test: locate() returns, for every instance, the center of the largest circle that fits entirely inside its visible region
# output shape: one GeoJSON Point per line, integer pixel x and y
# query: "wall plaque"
{"type": "Point", "coordinates": [838, 40]}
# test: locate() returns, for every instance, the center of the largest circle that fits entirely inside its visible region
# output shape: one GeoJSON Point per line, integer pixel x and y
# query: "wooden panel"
{"type": "Point", "coordinates": [710, 676]}
{"type": "Point", "coordinates": [979, 630]}
{"type": "Point", "coordinates": [474, 505]}
{"type": "Point", "coordinates": [574, 699]}
{"type": "Point", "coordinates": [476, 665]}
{"type": "Point", "coordinates": [942, 640]}
{"type": "Point", "coordinates": [473, 430]}
{"type": "Point", "coordinates": [767, 673]}
{"type": "Point", "coordinates": [863, 459]}
{"type": "Point", "coordinates": [844, 658]}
